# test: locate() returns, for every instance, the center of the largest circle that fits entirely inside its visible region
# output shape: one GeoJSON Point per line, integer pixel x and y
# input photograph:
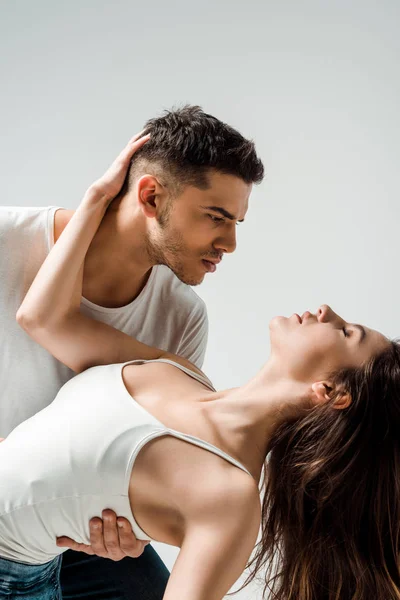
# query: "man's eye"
{"type": "Point", "coordinates": [215, 219]}
{"type": "Point", "coordinates": [345, 331]}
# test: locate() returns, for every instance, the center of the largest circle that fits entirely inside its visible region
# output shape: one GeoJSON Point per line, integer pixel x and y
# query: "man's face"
{"type": "Point", "coordinates": [199, 226]}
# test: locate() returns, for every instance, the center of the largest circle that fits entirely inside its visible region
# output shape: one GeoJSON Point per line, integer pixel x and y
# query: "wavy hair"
{"type": "Point", "coordinates": [331, 509]}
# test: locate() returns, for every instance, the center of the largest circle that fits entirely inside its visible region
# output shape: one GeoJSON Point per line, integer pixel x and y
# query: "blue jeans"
{"type": "Point", "coordinates": [86, 577]}
{"type": "Point", "coordinates": [31, 582]}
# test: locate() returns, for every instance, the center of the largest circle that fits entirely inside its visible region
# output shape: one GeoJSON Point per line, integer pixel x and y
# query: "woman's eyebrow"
{"type": "Point", "coordinates": [362, 331]}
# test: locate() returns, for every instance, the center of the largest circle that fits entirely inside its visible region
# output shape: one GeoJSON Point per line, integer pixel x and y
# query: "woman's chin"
{"type": "Point", "coordinates": [275, 321]}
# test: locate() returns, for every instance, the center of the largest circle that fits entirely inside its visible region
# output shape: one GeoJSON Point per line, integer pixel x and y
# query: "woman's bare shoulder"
{"type": "Point", "coordinates": [230, 494]}
{"type": "Point", "coordinates": [153, 373]}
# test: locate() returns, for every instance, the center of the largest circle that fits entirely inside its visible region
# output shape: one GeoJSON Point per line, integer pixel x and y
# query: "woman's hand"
{"type": "Point", "coordinates": [110, 184]}
{"type": "Point", "coordinates": [50, 312]}
{"type": "Point", "coordinates": [55, 294]}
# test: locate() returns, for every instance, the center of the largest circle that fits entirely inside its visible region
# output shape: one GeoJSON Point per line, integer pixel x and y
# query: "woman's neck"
{"type": "Point", "coordinates": [246, 417]}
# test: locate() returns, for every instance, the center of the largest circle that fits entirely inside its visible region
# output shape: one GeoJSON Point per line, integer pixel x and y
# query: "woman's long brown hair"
{"type": "Point", "coordinates": [331, 507]}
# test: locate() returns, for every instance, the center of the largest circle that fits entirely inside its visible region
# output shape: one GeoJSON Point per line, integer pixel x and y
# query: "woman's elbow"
{"type": "Point", "coordinates": [27, 320]}
{"type": "Point", "coordinates": [36, 324]}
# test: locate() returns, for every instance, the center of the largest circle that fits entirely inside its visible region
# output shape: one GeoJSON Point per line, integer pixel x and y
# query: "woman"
{"type": "Point", "coordinates": [132, 435]}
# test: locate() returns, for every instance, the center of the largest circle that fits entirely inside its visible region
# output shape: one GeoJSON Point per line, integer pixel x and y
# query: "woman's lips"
{"type": "Point", "coordinates": [305, 315]}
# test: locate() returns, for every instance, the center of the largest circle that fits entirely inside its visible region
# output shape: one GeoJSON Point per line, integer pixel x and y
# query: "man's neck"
{"type": "Point", "coordinates": [117, 265]}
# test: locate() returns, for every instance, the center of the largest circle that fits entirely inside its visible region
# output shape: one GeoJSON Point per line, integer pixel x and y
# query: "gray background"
{"type": "Point", "coordinates": [315, 84]}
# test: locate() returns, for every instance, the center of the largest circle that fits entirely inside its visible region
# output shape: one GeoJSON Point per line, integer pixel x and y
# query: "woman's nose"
{"type": "Point", "coordinates": [324, 313]}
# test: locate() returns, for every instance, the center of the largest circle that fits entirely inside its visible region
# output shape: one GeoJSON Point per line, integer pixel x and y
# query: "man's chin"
{"type": "Point", "coordinates": [188, 278]}
{"type": "Point", "coordinates": [191, 280]}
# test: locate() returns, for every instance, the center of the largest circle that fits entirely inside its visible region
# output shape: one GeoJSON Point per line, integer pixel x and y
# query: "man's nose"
{"type": "Point", "coordinates": [227, 242]}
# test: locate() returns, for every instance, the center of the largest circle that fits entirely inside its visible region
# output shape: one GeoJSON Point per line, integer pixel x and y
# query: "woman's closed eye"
{"type": "Point", "coordinates": [346, 332]}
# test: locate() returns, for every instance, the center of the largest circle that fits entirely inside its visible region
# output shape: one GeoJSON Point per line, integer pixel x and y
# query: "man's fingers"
{"type": "Point", "coordinates": [111, 536]}
{"type": "Point", "coordinates": [108, 539]}
{"type": "Point", "coordinates": [130, 545]}
{"type": "Point", "coordinates": [96, 537]}
{"type": "Point", "coordinates": [66, 542]}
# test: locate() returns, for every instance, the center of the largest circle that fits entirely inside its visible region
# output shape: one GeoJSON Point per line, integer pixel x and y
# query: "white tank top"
{"type": "Point", "coordinates": [73, 459]}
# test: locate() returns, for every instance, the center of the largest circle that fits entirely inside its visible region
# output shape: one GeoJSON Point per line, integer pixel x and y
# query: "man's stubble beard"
{"type": "Point", "coordinates": [167, 248]}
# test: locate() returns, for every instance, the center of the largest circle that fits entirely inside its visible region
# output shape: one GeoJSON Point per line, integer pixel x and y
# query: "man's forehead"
{"type": "Point", "coordinates": [234, 200]}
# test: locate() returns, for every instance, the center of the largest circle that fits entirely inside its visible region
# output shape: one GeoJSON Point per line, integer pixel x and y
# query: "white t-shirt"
{"type": "Point", "coordinates": [167, 314]}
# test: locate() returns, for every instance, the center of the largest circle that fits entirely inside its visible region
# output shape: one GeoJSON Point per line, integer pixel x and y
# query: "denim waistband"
{"type": "Point", "coordinates": [13, 572]}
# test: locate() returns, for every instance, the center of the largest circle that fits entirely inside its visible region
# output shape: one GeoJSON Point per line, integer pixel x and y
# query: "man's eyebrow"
{"type": "Point", "coordinates": [362, 331]}
{"type": "Point", "coordinates": [222, 212]}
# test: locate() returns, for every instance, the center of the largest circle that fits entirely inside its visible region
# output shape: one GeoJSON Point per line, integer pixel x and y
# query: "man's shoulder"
{"type": "Point", "coordinates": [169, 286]}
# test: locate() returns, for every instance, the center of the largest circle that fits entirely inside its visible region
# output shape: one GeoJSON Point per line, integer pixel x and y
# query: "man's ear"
{"type": "Point", "coordinates": [149, 190]}
{"type": "Point", "coordinates": [323, 391]}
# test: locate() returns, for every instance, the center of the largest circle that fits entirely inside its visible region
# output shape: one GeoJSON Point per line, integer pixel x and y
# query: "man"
{"type": "Point", "coordinates": [171, 224]}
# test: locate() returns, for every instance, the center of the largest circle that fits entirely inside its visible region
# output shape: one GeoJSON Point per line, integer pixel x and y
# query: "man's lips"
{"type": "Point", "coordinates": [215, 261]}
{"type": "Point", "coordinates": [211, 264]}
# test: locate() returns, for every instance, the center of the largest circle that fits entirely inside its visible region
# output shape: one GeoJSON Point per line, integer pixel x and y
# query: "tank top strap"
{"type": "Point", "coordinates": [207, 446]}
{"type": "Point", "coordinates": [201, 378]}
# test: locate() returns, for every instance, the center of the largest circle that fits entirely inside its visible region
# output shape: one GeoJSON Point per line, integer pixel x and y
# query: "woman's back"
{"type": "Point", "coordinates": [75, 458]}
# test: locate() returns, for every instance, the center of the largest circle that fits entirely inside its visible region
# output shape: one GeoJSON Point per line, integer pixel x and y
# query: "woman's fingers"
{"type": "Point", "coordinates": [132, 146]}
{"type": "Point", "coordinates": [137, 136]}
{"type": "Point", "coordinates": [110, 184]}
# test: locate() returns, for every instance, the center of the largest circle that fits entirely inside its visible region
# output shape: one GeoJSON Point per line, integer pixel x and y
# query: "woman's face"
{"type": "Point", "coordinates": [310, 347]}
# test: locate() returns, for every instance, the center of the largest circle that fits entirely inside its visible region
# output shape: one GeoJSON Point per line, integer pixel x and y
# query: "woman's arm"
{"type": "Point", "coordinates": [50, 312]}
{"type": "Point", "coordinates": [216, 546]}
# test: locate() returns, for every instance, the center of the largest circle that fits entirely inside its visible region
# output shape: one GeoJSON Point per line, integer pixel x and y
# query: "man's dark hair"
{"type": "Point", "coordinates": [187, 143]}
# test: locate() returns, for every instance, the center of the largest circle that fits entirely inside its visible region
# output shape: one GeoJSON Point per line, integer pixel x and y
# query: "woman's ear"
{"type": "Point", "coordinates": [323, 391]}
